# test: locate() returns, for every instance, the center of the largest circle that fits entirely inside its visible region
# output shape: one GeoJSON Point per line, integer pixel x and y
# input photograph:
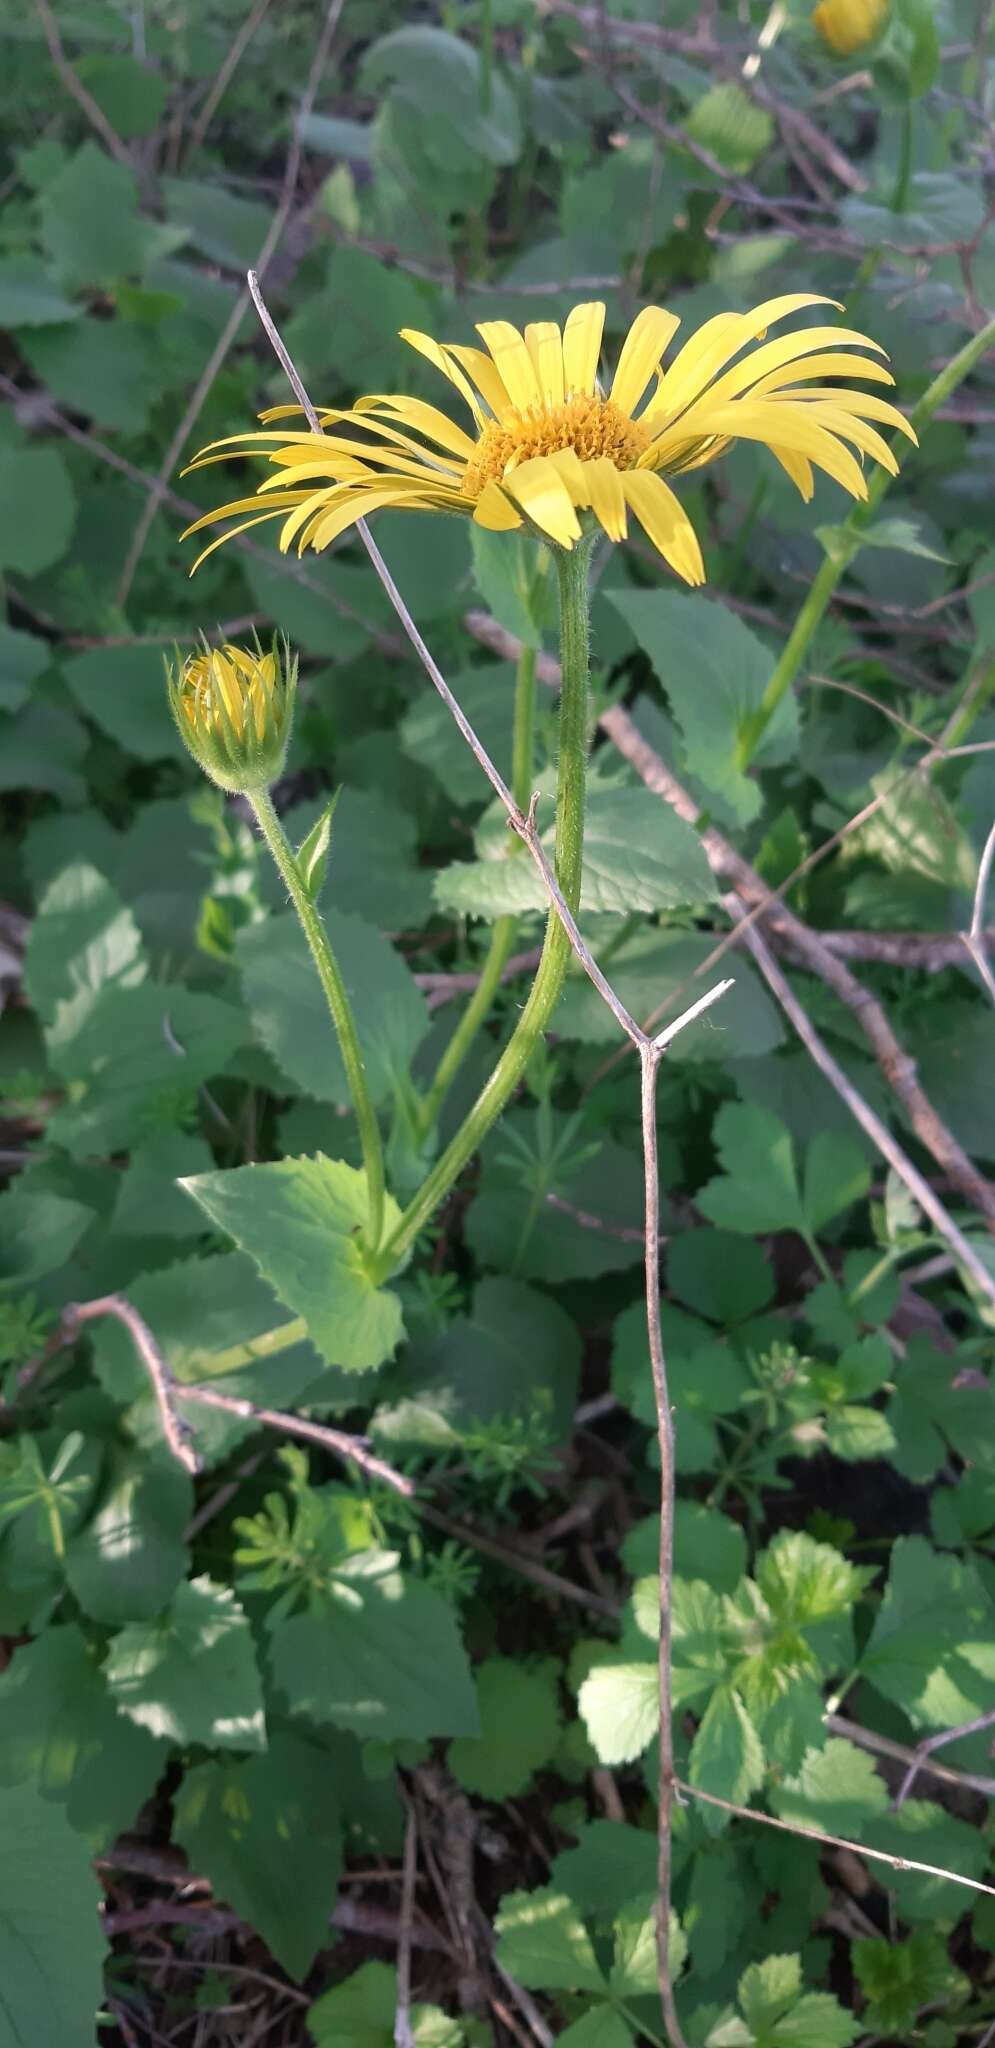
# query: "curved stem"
{"type": "Point", "coordinates": [552, 969]}
{"type": "Point", "coordinates": [847, 542]}
{"type": "Point", "coordinates": [503, 934]}
{"type": "Point", "coordinates": [337, 998]}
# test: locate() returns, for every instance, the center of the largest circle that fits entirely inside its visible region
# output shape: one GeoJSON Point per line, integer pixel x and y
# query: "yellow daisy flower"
{"type": "Point", "coordinates": [849, 25]}
{"type": "Point", "coordinates": [550, 443]}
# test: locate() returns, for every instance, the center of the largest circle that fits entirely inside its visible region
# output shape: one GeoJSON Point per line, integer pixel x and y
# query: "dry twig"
{"type": "Point", "coordinates": [76, 89]}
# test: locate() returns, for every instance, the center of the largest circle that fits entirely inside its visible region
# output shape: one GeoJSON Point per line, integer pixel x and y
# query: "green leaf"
{"type": "Point", "coordinates": [105, 369]}
{"type": "Point", "coordinates": [899, 1977]}
{"type": "Point", "coordinates": [601, 2027]}
{"type": "Point", "coordinates": [837, 1790]}
{"type": "Point", "coordinates": [854, 1432]}
{"type": "Point", "coordinates": [223, 227]}
{"type": "Point", "coordinates": [137, 1055]}
{"type": "Point", "coordinates": [300, 1220]}
{"type": "Point", "coordinates": [37, 509]}
{"type": "Point", "coordinates": [191, 1675]}
{"type": "Point", "coordinates": [380, 1655]}
{"type": "Point", "coordinates": [767, 1991]}
{"type": "Point", "coordinates": [724, 1276]}
{"type": "Point", "coordinates": [129, 1559]}
{"type": "Point", "coordinates": [726, 1755]}
{"type": "Point", "coordinates": [612, 1863]}
{"type": "Point", "coordinates": [619, 1706]}
{"type": "Point", "coordinates": [82, 940]}
{"type": "Point", "coordinates": [903, 534]}
{"type": "Point", "coordinates": [714, 671]}
{"type": "Point", "coordinates": [543, 1943]}
{"type": "Point", "coordinates": [915, 830]}
{"type": "Point", "coordinates": [90, 222]}
{"type": "Point", "coordinates": [730, 126]}
{"type": "Point", "coordinates": [760, 1189]}
{"type": "Point", "coordinates": [514, 1357]}
{"type": "Point", "coordinates": [123, 690]}
{"type": "Point", "coordinates": [776, 2017]}
{"type": "Point", "coordinates": [634, 1970]}
{"type": "Point", "coordinates": [430, 736]}
{"type": "Point", "coordinates": [149, 1203]}
{"type": "Point", "coordinates": [932, 1647]}
{"type": "Point", "coordinates": [267, 1833]}
{"type": "Point", "coordinates": [60, 1733]}
{"type": "Point", "coordinates": [638, 855]}
{"type": "Point", "coordinates": [508, 571]}
{"type": "Point", "coordinates": [43, 748]}
{"type": "Point", "coordinates": [291, 1016]}
{"type": "Point", "coordinates": [132, 96]}
{"type": "Point", "coordinates": [51, 1944]}
{"type": "Point", "coordinates": [29, 297]}
{"type": "Point", "coordinates": [23, 658]}
{"type": "Point", "coordinates": [519, 1730]}
{"type": "Point", "coordinates": [374, 861]}
{"type": "Point", "coordinates": [38, 1231]}
{"type": "Point", "coordinates": [439, 76]}
{"type": "Point", "coordinates": [360, 2014]}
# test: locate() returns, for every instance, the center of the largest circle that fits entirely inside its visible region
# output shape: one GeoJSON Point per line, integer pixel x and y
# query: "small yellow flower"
{"type": "Point", "coordinates": [233, 708]}
{"type": "Point", "coordinates": [550, 442]}
{"type": "Point", "coordinates": [849, 25]}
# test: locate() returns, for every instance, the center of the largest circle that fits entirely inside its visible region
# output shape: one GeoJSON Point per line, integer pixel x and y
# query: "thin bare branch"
{"type": "Point", "coordinates": [792, 1827]}
{"type": "Point", "coordinates": [225, 73]}
{"type": "Point", "coordinates": [974, 939]}
{"type": "Point", "coordinates": [403, 2033]}
{"type": "Point", "coordinates": [899, 1752]}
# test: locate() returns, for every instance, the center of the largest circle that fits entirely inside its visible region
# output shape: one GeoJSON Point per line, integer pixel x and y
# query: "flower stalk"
{"type": "Point", "coordinates": [340, 1008]}
{"type": "Point", "coordinates": [551, 972]}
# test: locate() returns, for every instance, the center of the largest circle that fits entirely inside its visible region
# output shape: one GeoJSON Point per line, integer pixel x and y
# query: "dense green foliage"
{"type": "Point", "coordinates": [268, 1665]}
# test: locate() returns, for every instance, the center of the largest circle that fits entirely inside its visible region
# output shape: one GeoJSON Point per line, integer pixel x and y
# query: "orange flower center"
{"type": "Point", "coordinates": [591, 426]}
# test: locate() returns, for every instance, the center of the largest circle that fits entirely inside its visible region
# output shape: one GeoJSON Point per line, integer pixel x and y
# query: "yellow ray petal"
{"type": "Point", "coordinates": [417, 414]}
{"type": "Point", "coordinates": [259, 520]}
{"type": "Point", "coordinates": [789, 427]}
{"type": "Point", "coordinates": [714, 344]}
{"type": "Point", "coordinates": [545, 346]}
{"type": "Point", "coordinates": [539, 489]}
{"type": "Point", "coordinates": [496, 511]}
{"type": "Point", "coordinates": [865, 404]}
{"type": "Point", "coordinates": [357, 505]}
{"type": "Point", "coordinates": [606, 496]}
{"type": "Point", "coordinates": [480, 367]}
{"type": "Point", "coordinates": [665, 522]}
{"type": "Point", "coordinates": [822, 366]}
{"type": "Point", "coordinates": [788, 348]}
{"type": "Point", "coordinates": [849, 428]}
{"type": "Point", "coordinates": [642, 348]}
{"type": "Point", "coordinates": [573, 472]}
{"type": "Point", "coordinates": [441, 359]}
{"type": "Point", "coordinates": [240, 505]}
{"type": "Point", "coordinates": [582, 348]}
{"type": "Point", "coordinates": [797, 468]}
{"type": "Point", "coordinates": [512, 361]}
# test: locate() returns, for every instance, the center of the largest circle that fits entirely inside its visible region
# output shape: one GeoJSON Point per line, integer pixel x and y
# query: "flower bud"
{"type": "Point", "coordinates": [849, 25]}
{"type": "Point", "coordinates": [234, 707]}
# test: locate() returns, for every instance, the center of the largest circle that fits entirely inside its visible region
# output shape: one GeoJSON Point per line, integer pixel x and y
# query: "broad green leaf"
{"type": "Point", "coordinates": [543, 1943]}
{"type": "Point", "coordinates": [854, 1432]}
{"type": "Point", "coordinates": [722, 1275]}
{"type": "Point", "coordinates": [105, 369]}
{"type": "Point", "coordinates": [837, 1789]}
{"type": "Point", "coordinates": [612, 1863]}
{"type": "Point", "coordinates": [38, 1231]}
{"type": "Point", "coordinates": [51, 1944]}
{"type": "Point", "coordinates": [291, 1016]}
{"type": "Point", "coordinates": [191, 1675]}
{"type": "Point", "coordinates": [372, 866]}
{"type": "Point", "coordinates": [601, 2027]}
{"type": "Point", "coordinates": [776, 2017]}
{"type": "Point", "coordinates": [916, 831]}
{"type": "Point", "coordinates": [300, 1220]}
{"type": "Point", "coordinates": [360, 2014]}
{"type": "Point", "coordinates": [590, 1223]}
{"type": "Point", "coordinates": [129, 1559]}
{"type": "Point", "coordinates": [519, 1730]}
{"type": "Point", "coordinates": [439, 76]}
{"type": "Point", "coordinates": [707, 1545]}
{"type": "Point", "coordinates": [508, 571]}
{"type": "Point", "coordinates": [767, 1990]}
{"type": "Point", "coordinates": [43, 747]}
{"type": "Point", "coordinates": [60, 1733]}
{"type": "Point", "coordinates": [149, 1203]}
{"type": "Point", "coordinates": [759, 1190]}
{"type": "Point", "coordinates": [82, 939]}
{"type": "Point", "coordinates": [23, 658]}
{"type": "Point", "coordinates": [619, 1705]}
{"type": "Point", "coordinates": [900, 533]}
{"type": "Point", "coordinates": [267, 1833]}
{"type": "Point", "coordinates": [638, 855]}
{"type": "Point", "coordinates": [138, 1056]}
{"type": "Point", "coordinates": [430, 736]}
{"type": "Point", "coordinates": [726, 1755]}
{"type": "Point", "coordinates": [37, 509]}
{"type": "Point", "coordinates": [836, 1174]}
{"type": "Point", "coordinates": [29, 296]}
{"type": "Point", "coordinates": [514, 1358]}
{"type": "Point", "coordinates": [380, 1656]}
{"type": "Point", "coordinates": [926, 1832]}
{"type": "Point", "coordinates": [123, 689]}
{"type": "Point", "coordinates": [633, 1972]}
{"type": "Point", "coordinates": [941, 208]}
{"type": "Point", "coordinates": [224, 227]}
{"type": "Point", "coordinates": [932, 1647]}
{"type": "Point", "coordinates": [90, 222]}
{"type": "Point", "coordinates": [714, 671]}
{"type": "Point", "coordinates": [132, 96]}
{"type": "Point", "coordinates": [806, 1582]}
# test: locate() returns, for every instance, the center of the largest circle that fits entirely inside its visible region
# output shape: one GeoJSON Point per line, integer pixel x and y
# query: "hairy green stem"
{"type": "Point", "coordinates": [848, 541]}
{"type": "Point", "coordinates": [503, 934]}
{"type": "Point", "coordinates": [554, 961]}
{"type": "Point", "coordinates": [337, 998]}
